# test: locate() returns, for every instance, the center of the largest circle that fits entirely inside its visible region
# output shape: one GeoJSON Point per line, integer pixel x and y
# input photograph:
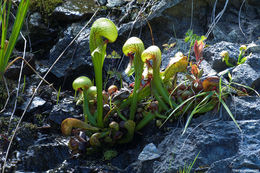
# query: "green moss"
{"type": "Point", "coordinates": [40, 118]}
{"type": "Point", "coordinates": [110, 154]}
{"type": "Point", "coordinates": [45, 7]}
{"type": "Point", "coordinates": [30, 126]}
{"type": "Point", "coordinates": [4, 124]}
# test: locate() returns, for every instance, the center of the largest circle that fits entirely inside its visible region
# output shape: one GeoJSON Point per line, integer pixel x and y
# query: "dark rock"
{"type": "Point", "coordinates": [254, 62]}
{"type": "Point", "coordinates": [232, 32]}
{"type": "Point", "coordinates": [41, 36]}
{"type": "Point", "coordinates": [36, 20]}
{"type": "Point", "coordinates": [114, 3]}
{"type": "Point", "coordinates": [221, 147]}
{"type": "Point", "coordinates": [122, 94]}
{"type": "Point", "coordinates": [150, 152]}
{"type": "Point", "coordinates": [253, 48]}
{"type": "Point", "coordinates": [246, 75]}
{"type": "Point", "coordinates": [79, 164]}
{"type": "Point", "coordinates": [212, 54]}
{"type": "Point", "coordinates": [26, 136]}
{"type": "Point", "coordinates": [218, 144]}
{"type": "Point", "coordinates": [44, 157]}
{"type": "Point", "coordinates": [102, 2]}
{"type": "Point", "coordinates": [123, 160]}
{"type": "Point", "coordinates": [165, 16]}
{"type": "Point", "coordinates": [65, 109]}
{"type": "Point", "coordinates": [76, 61]}
{"type": "Point", "coordinates": [73, 10]}
{"type": "Point", "coordinates": [167, 55]}
{"type": "Point", "coordinates": [254, 2]}
{"type": "Point", "coordinates": [37, 103]}
{"type": "Point", "coordinates": [244, 108]}
{"type": "Point", "coordinates": [14, 70]}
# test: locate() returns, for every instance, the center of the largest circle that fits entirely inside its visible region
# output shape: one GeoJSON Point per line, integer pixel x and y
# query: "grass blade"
{"type": "Point", "coordinates": [246, 87]}
{"type": "Point", "coordinates": [230, 114]}
{"type": "Point", "coordinates": [180, 105]}
{"type": "Point", "coordinates": [195, 111]}
{"type": "Point", "coordinates": [20, 16]}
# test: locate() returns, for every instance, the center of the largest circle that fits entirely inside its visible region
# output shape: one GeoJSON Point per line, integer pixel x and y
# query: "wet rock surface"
{"type": "Point", "coordinates": [74, 10]}
{"type": "Point", "coordinates": [212, 55]}
{"type": "Point", "coordinates": [39, 145]}
{"type": "Point", "coordinates": [66, 109]}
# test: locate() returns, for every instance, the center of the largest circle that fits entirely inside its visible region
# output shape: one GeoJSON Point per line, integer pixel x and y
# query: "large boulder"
{"type": "Point", "coordinates": [219, 144]}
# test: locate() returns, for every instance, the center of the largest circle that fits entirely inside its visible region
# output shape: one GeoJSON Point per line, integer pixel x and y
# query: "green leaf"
{"type": "Point", "coordinates": [187, 39]}
{"type": "Point", "coordinates": [200, 73]}
{"type": "Point", "coordinates": [177, 64]}
{"type": "Point", "coordinates": [20, 16]}
{"type": "Point", "coordinates": [101, 29]}
{"type": "Point", "coordinates": [229, 76]}
{"type": "Point", "coordinates": [113, 55]}
{"type": "Point", "coordinates": [195, 111]}
{"type": "Point", "coordinates": [230, 114]}
{"type": "Point", "coordinates": [180, 105]}
{"type": "Point", "coordinates": [147, 118]}
{"type": "Point", "coordinates": [243, 60]}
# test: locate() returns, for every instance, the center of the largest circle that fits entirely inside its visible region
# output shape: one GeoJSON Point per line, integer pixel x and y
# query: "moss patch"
{"type": "Point", "coordinates": [110, 154]}
{"type": "Point", "coordinates": [45, 7]}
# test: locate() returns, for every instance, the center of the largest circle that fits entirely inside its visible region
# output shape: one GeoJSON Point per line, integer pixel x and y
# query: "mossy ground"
{"type": "Point", "coordinates": [45, 7]}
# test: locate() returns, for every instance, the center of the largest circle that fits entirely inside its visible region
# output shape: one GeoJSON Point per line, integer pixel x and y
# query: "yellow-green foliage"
{"type": "Point", "coordinates": [110, 154]}
{"type": "Point", "coordinates": [45, 7]}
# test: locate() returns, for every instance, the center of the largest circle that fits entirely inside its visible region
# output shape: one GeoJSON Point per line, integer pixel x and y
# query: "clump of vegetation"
{"type": "Point", "coordinates": [8, 42]}
{"type": "Point", "coordinates": [187, 168]}
{"type": "Point", "coordinates": [45, 7]}
{"type": "Point", "coordinates": [160, 97]}
{"type": "Point", "coordinates": [191, 38]}
{"type": "Point", "coordinates": [110, 154]}
{"type": "Point", "coordinates": [241, 57]}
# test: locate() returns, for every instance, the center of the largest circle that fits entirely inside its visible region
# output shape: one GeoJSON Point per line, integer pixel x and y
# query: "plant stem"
{"type": "Point", "coordinates": [164, 93]}
{"type": "Point", "coordinates": [98, 79]}
{"type": "Point", "coordinates": [138, 78]}
{"type": "Point", "coordinates": [157, 83]}
{"type": "Point", "coordinates": [86, 111]}
{"type": "Point", "coordinates": [147, 118]}
{"type": "Point", "coordinates": [158, 98]}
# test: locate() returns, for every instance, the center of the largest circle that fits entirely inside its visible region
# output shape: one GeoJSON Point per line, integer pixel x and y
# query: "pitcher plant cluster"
{"type": "Point", "coordinates": [156, 94]}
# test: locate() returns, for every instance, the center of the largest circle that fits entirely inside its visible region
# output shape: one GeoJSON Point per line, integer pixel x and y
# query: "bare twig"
{"type": "Point", "coordinates": [132, 27]}
{"type": "Point", "coordinates": [19, 81]}
{"type": "Point", "coordinates": [29, 65]}
{"type": "Point", "coordinates": [214, 12]}
{"type": "Point", "coordinates": [239, 15]}
{"type": "Point", "coordinates": [216, 20]}
{"type": "Point", "coordinates": [191, 16]}
{"type": "Point", "coordinates": [34, 93]}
